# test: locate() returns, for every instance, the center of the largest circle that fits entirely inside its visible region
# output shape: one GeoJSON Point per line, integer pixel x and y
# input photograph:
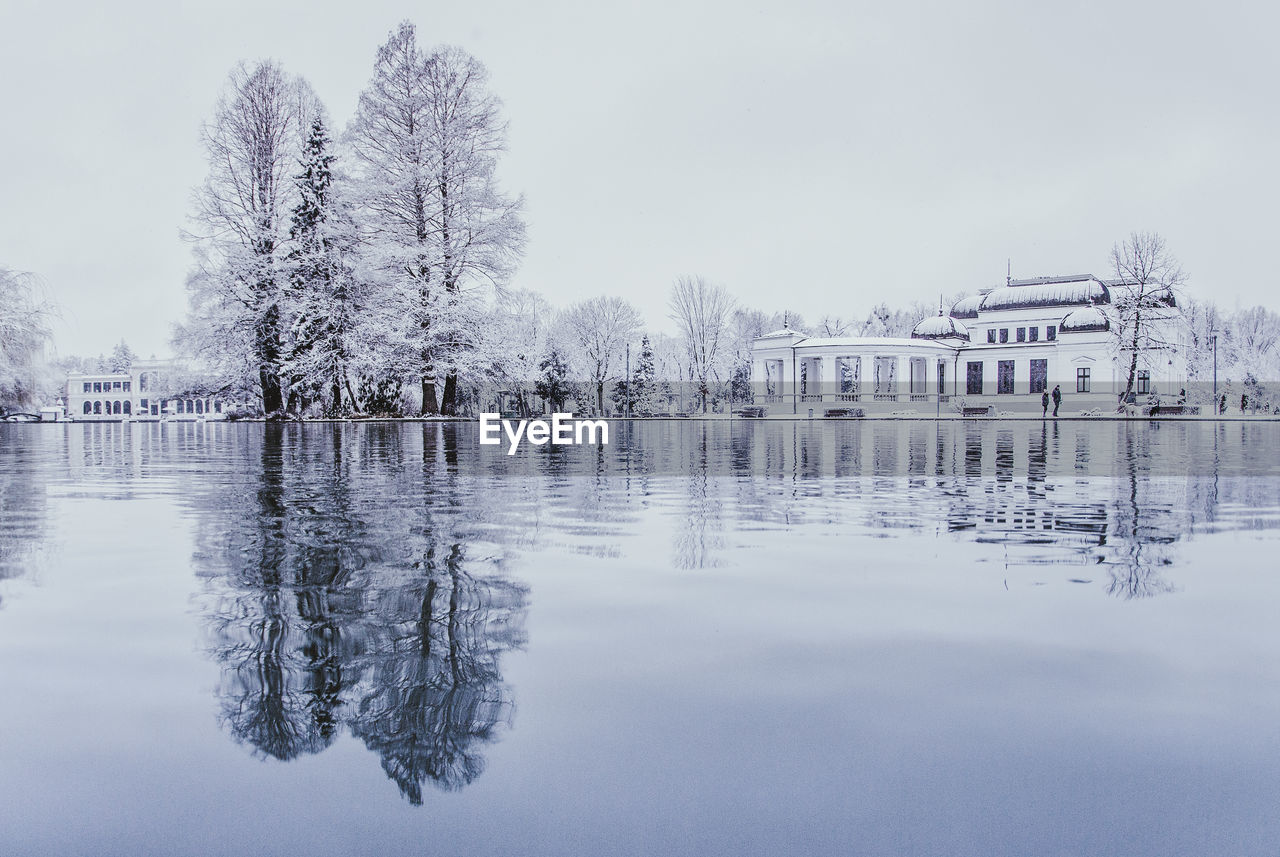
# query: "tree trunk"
{"type": "Point", "coordinates": [449, 396]}
{"type": "Point", "coordinates": [429, 406]}
{"type": "Point", "coordinates": [600, 398]}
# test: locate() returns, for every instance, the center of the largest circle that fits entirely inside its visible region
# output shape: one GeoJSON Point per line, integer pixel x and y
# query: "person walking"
{"type": "Point", "coordinates": [1057, 398]}
{"type": "Point", "coordinates": [1222, 405]}
{"type": "Point", "coordinates": [1044, 403]}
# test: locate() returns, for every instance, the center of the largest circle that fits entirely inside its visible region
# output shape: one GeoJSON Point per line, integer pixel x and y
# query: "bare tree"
{"type": "Point", "coordinates": [426, 137]}
{"type": "Point", "coordinates": [24, 329]}
{"type": "Point", "coordinates": [600, 329]}
{"type": "Point", "coordinates": [701, 309]}
{"type": "Point", "coordinates": [833, 325]}
{"type": "Point", "coordinates": [242, 214]}
{"type": "Point", "coordinates": [1144, 296]}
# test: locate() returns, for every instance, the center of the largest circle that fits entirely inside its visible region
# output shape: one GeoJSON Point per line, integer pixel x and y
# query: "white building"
{"type": "Point", "coordinates": [148, 391]}
{"type": "Point", "coordinates": [1001, 348]}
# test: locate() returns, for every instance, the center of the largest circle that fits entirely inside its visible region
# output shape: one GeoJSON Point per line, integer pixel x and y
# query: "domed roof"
{"type": "Point", "coordinates": [939, 327]}
{"type": "Point", "coordinates": [967, 307]}
{"type": "Point", "coordinates": [1083, 320]}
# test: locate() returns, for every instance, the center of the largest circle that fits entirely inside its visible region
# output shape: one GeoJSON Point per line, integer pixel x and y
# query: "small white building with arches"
{"type": "Point", "coordinates": [150, 390]}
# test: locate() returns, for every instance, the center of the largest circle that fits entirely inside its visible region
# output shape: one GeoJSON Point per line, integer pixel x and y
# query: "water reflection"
{"type": "Point", "coordinates": [338, 607]}
{"type": "Point", "coordinates": [361, 579]}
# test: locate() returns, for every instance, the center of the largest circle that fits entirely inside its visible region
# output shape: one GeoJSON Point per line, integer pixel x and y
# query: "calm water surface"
{"type": "Point", "coordinates": [783, 638]}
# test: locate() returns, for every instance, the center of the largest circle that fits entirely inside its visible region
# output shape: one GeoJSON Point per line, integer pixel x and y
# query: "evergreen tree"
{"type": "Point", "coordinates": [553, 380]}
{"type": "Point", "coordinates": [644, 389]}
{"type": "Point", "coordinates": [320, 286]}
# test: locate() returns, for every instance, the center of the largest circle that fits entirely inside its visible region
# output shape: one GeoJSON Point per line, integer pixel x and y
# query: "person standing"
{"type": "Point", "coordinates": [1057, 398]}
{"type": "Point", "coordinates": [1222, 405]}
{"type": "Point", "coordinates": [1044, 403]}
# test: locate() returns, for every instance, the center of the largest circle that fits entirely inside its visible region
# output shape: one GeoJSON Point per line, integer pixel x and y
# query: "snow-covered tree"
{"type": "Point", "coordinates": [241, 221]}
{"type": "Point", "coordinates": [553, 383]}
{"type": "Point", "coordinates": [644, 393]}
{"type": "Point", "coordinates": [323, 307]}
{"type": "Point", "coordinates": [1144, 299]}
{"type": "Point", "coordinates": [25, 316]}
{"type": "Point", "coordinates": [701, 311]}
{"type": "Point", "coordinates": [599, 330]}
{"type": "Point", "coordinates": [121, 359]}
{"type": "Point", "coordinates": [426, 138]}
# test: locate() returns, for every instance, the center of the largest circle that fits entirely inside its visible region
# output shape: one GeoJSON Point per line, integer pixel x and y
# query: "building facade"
{"type": "Point", "coordinates": [1002, 348]}
{"type": "Point", "coordinates": [150, 390]}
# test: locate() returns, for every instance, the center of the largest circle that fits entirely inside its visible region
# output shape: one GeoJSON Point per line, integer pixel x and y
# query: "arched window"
{"type": "Point", "coordinates": [128, 406]}
{"type": "Point", "coordinates": [97, 407]}
{"type": "Point", "coordinates": [115, 409]}
{"type": "Point", "coordinates": [217, 406]}
{"type": "Point", "coordinates": [199, 406]}
{"type": "Point", "coordinates": [177, 406]}
{"type": "Point", "coordinates": [88, 407]}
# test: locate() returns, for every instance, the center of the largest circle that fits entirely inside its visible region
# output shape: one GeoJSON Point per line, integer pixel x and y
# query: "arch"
{"type": "Point", "coordinates": [88, 407]}
{"type": "Point", "coordinates": [199, 406]}
{"type": "Point", "coordinates": [97, 407]}
{"type": "Point", "coordinates": [128, 408]}
{"type": "Point", "coordinates": [115, 409]}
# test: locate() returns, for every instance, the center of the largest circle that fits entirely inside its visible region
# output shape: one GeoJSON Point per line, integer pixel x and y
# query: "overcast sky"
{"type": "Point", "coordinates": [821, 157]}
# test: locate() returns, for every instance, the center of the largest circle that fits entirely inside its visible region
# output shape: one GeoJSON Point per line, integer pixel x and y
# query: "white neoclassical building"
{"type": "Point", "coordinates": [1001, 348]}
{"type": "Point", "coordinates": [149, 391]}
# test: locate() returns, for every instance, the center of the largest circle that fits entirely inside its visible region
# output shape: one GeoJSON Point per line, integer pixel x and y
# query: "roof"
{"type": "Point", "coordinates": [939, 327]}
{"type": "Point", "coordinates": [785, 331]}
{"type": "Point", "coordinates": [1076, 289]}
{"type": "Point", "coordinates": [967, 307]}
{"type": "Point", "coordinates": [1083, 320]}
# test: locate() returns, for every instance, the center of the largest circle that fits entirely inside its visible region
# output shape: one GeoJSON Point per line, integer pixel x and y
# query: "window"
{"type": "Point", "coordinates": [1051, 333]}
{"type": "Point", "coordinates": [1144, 381]}
{"type": "Point", "coordinates": [97, 386]}
{"type": "Point", "coordinates": [155, 410]}
{"type": "Point", "coordinates": [991, 335]}
{"type": "Point", "coordinates": [142, 406]}
{"type": "Point", "coordinates": [88, 407]}
{"type": "Point", "coordinates": [973, 378]}
{"type": "Point", "coordinates": [199, 406]}
{"type": "Point", "coordinates": [1082, 380]}
{"type": "Point", "coordinates": [1004, 334]}
{"type": "Point", "coordinates": [115, 409]}
{"type": "Point", "coordinates": [1022, 334]}
{"type": "Point", "coordinates": [97, 407]}
{"type": "Point", "coordinates": [116, 385]}
{"type": "Point", "coordinates": [128, 407]}
{"type": "Point", "coordinates": [217, 406]}
{"type": "Point", "coordinates": [88, 388]}
{"type": "Point", "coordinates": [1033, 334]}
{"type": "Point", "coordinates": [1039, 375]}
{"type": "Point", "coordinates": [127, 384]}
{"type": "Point", "coordinates": [1004, 377]}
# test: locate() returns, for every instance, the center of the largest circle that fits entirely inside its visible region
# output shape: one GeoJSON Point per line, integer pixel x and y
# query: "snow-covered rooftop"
{"type": "Point", "coordinates": [1083, 320]}
{"type": "Point", "coordinates": [939, 327]}
{"type": "Point", "coordinates": [967, 307]}
{"type": "Point", "coordinates": [1076, 289]}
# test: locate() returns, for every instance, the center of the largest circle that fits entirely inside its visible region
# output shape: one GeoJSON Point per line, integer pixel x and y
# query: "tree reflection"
{"type": "Point", "coordinates": [338, 607]}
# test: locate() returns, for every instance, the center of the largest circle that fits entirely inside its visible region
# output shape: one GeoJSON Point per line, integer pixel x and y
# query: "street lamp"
{"type": "Point", "coordinates": [1215, 371]}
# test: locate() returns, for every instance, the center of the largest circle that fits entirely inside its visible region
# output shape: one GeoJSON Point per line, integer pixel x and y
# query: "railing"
{"type": "Point", "coordinates": [920, 397]}
{"type": "Point", "coordinates": [886, 397]}
{"type": "Point", "coordinates": [848, 397]}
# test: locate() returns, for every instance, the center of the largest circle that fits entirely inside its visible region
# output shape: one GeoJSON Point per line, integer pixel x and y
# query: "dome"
{"type": "Point", "coordinates": [1084, 320]}
{"type": "Point", "coordinates": [939, 327]}
{"type": "Point", "coordinates": [967, 307]}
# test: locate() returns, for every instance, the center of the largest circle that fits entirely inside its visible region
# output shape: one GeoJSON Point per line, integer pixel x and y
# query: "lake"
{"type": "Point", "coordinates": [710, 638]}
